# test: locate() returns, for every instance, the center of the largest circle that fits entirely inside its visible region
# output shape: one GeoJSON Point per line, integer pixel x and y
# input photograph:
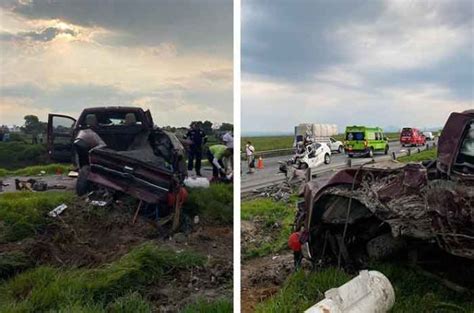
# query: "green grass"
{"type": "Point", "coordinates": [203, 306]}
{"type": "Point", "coordinates": [14, 262]}
{"type": "Point", "coordinates": [36, 169]}
{"type": "Point", "coordinates": [268, 212]}
{"type": "Point", "coordinates": [268, 143]}
{"type": "Point", "coordinates": [215, 202]}
{"type": "Point", "coordinates": [16, 154]}
{"type": "Point", "coordinates": [24, 213]}
{"type": "Point", "coordinates": [413, 291]}
{"type": "Point", "coordinates": [301, 290]}
{"type": "Point", "coordinates": [418, 157]}
{"type": "Point", "coordinates": [95, 290]}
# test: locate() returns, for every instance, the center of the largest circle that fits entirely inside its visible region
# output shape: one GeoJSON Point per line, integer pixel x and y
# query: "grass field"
{"type": "Point", "coordinates": [215, 203]}
{"type": "Point", "coordinates": [267, 213]}
{"type": "Point", "coordinates": [418, 157]}
{"type": "Point", "coordinates": [414, 292]}
{"type": "Point", "coordinates": [16, 154]}
{"type": "Point", "coordinates": [35, 170]}
{"type": "Point", "coordinates": [105, 289]}
{"type": "Point", "coordinates": [124, 284]}
{"type": "Point", "coordinates": [23, 214]}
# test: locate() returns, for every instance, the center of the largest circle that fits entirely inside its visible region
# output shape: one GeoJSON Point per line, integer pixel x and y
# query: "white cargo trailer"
{"type": "Point", "coordinates": [321, 133]}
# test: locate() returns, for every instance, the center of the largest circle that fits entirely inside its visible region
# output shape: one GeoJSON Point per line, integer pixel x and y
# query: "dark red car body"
{"type": "Point", "coordinates": [138, 158]}
{"type": "Point", "coordinates": [429, 202]}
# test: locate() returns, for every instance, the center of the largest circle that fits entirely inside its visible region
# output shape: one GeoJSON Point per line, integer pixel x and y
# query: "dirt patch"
{"type": "Point", "coordinates": [88, 236]}
{"type": "Point", "coordinates": [262, 278]}
{"type": "Point", "coordinates": [256, 233]}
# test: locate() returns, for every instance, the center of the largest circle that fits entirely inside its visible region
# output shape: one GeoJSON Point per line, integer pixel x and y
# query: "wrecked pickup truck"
{"type": "Point", "coordinates": [120, 149]}
{"type": "Point", "coordinates": [380, 209]}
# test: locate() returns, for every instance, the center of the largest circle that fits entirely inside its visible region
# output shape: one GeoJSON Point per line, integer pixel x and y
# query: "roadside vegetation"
{"type": "Point", "coordinates": [414, 292]}
{"type": "Point", "coordinates": [18, 154]}
{"type": "Point", "coordinates": [203, 306]}
{"type": "Point", "coordinates": [35, 170]}
{"type": "Point", "coordinates": [214, 203]}
{"type": "Point", "coordinates": [418, 157]}
{"type": "Point", "coordinates": [126, 284]}
{"type": "Point", "coordinates": [99, 289]}
{"type": "Point", "coordinates": [272, 221]}
{"type": "Point", "coordinates": [23, 214]}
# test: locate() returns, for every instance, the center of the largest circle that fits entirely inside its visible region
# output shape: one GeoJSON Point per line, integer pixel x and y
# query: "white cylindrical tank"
{"type": "Point", "coordinates": [369, 292]}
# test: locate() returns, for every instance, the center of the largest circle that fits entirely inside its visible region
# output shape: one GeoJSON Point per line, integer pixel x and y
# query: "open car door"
{"type": "Point", "coordinates": [60, 137]}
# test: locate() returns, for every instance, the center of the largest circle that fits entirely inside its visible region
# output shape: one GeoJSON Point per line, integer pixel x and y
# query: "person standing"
{"type": "Point", "coordinates": [228, 140]}
{"type": "Point", "coordinates": [197, 138]}
{"type": "Point", "coordinates": [250, 153]}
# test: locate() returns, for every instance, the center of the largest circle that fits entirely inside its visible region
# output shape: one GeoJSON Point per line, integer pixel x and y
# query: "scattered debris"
{"type": "Point", "coordinates": [58, 210]}
{"type": "Point", "coordinates": [179, 237]}
{"type": "Point", "coordinates": [382, 209]}
{"type": "Point", "coordinates": [196, 182]}
{"type": "Point", "coordinates": [73, 174]}
{"type": "Point", "coordinates": [369, 292]}
{"type": "Point", "coordinates": [99, 203]}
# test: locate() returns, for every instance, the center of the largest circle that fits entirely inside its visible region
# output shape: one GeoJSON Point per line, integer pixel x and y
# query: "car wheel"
{"type": "Point", "coordinates": [371, 153]}
{"type": "Point", "coordinates": [327, 158]}
{"type": "Point", "coordinates": [83, 186]}
{"type": "Point", "coordinates": [341, 149]}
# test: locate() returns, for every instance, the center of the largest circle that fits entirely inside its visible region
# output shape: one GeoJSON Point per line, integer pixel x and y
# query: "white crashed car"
{"type": "Point", "coordinates": [310, 156]}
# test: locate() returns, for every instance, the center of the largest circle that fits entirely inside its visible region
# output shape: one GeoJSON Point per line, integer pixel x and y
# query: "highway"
{"type": "Point", "coordinates": [270, 174]}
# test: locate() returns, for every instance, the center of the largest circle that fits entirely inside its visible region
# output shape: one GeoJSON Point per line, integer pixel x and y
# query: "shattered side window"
{"type": "Point", "coordinates": [465, 159]}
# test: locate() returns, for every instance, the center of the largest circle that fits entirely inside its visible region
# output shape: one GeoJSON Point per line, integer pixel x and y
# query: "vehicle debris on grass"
{"type": "Point", "coordinates": [86, 240]}
{"type": "Point", "coordinates": [431, 202]}
{"type": "Point", "coordinates": [120, 148]}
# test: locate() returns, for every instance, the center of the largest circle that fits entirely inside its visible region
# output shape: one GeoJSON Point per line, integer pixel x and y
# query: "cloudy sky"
{"type": "Point", "coordinates": [384, 63]}
{"type": "Point", "coordinates": [171, 56]}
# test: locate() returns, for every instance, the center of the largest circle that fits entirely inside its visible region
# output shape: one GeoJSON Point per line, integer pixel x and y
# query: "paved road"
{"type": "Point", "coordinates": [270, 173]}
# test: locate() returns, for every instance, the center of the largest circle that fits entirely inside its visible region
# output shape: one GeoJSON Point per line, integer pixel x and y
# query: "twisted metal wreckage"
{"type": "Point", "coordinates": [378, 209]}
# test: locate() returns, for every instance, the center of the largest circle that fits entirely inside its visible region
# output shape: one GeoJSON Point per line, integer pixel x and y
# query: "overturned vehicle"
{"type": "Point", "coordinates": [120, 149]}
{"type": "Point", "coordinates": [382, 209]}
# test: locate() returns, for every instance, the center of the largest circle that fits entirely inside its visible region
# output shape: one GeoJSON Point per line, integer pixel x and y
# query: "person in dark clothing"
{"type": "Point", "coordinates": [197, 138]}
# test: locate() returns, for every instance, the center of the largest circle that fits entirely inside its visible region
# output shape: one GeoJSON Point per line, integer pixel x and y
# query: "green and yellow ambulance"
{"type": "Point", "coordinates": [365, 141]}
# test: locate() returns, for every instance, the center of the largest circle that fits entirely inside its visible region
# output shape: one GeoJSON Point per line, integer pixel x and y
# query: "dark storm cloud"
{"type": "Point", "coordinates": [203, 25]}
{"type": "Point", "coordinates": [291, 40]}
{"type": "Point", "coordinates": [47, 34]}
{"type": "Point", "coordinates": [44, 35]}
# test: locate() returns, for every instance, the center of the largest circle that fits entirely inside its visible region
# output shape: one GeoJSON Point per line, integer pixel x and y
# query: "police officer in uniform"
{"type": "Point", "coordinates": [197, 138]}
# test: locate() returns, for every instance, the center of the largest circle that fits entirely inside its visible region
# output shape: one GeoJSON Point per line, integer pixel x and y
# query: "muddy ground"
{"type": "Point", "coordinates": [263, 276]}
{"type": "Point", "coordinates": [88, 236]}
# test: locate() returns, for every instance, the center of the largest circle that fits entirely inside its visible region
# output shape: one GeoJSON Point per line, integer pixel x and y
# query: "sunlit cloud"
{"type": "Point", "coordinates": [69, 59]}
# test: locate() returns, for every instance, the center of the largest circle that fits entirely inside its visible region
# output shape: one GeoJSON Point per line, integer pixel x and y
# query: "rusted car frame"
{"type": "Point", "coordinates": [389, 205]}
{"type": "Point", "coordinates": [120, 148]}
